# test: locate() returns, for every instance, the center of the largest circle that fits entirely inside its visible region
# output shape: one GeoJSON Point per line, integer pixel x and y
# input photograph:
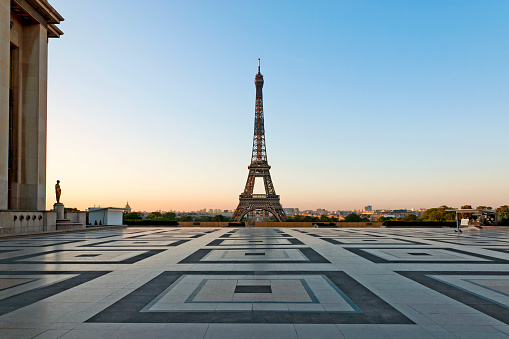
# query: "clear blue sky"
{"type": "Point", "coordinates": [396, 104]}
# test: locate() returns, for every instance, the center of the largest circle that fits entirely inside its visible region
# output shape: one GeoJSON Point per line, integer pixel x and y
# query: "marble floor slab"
{"type": "Point", "coordinates": [144, 282]}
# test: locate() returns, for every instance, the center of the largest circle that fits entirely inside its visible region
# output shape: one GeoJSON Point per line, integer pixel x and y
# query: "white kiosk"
{"type": "Point", "coordinates": [473, 217]}
{"type": "Point", "coordinates": [105, 216]}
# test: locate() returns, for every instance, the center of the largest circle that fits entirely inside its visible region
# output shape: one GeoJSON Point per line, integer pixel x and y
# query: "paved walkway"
{"type": "Point", "coordinates": [256, 283]}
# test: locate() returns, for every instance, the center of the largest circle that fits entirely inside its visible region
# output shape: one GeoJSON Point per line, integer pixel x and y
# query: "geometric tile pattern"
{"type": "Point", "coordinates": [257, 255]}
{"type": "Point", "coordinates": [20, 289]}
{"type": "Point", "coordinates": [256, 282]}
{"type": "Point", "coordinates": [138, 243]}
{"type": "Point", "coordinates": [427, 255]}
{"type": "Point", "coordinates": [75, 256]}
{"type": "Point", "coordinates": [289, 297]}
{"type": "Point", "coordinates": [487, 292]}
{"type": "Point", "coordinates": [27, 242]}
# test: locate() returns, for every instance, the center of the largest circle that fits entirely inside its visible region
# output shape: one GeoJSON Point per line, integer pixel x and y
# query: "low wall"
{"type": "Point", "coordinates": [91, 228]}
{"type": "Point", "coordinates": [76, 217]}
{"type": "Point", "coordinates": [25, 222]}
{"type": "Point", "coordinates": [202, 224]}
{"type": "Point", "coordinates": [277, 224]}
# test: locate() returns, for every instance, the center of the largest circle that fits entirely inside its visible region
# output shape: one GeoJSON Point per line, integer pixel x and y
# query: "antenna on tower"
{"type": "Point", "coordinates": [258, 65]}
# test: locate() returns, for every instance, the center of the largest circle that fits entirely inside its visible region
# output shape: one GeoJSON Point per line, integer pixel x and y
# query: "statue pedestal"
{"type": "Point", "coordinates": [59, 208]}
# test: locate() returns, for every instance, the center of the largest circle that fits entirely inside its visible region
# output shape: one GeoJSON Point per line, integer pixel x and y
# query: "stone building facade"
{"type": "Point", "coordinates": [25, 29]}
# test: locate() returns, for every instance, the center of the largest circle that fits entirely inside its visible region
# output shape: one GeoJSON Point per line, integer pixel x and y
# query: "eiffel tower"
{"type": "Point", "coordinates": [249, 202]}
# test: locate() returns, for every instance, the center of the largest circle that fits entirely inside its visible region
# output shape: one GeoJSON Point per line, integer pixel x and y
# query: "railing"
{"type": "Point", "coordinates": [261, 196]}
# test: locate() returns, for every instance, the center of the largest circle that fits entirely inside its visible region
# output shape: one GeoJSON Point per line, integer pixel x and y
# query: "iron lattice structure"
{"type": "Point", "coordinates": [259, 167]}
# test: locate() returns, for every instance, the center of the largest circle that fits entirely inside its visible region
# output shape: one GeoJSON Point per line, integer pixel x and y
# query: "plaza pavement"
{"type": "Point", "coordinates": [256, 283]}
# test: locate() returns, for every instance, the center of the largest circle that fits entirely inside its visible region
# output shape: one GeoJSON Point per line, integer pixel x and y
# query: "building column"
{"type": "Point", "coordinates": [34, 113]}
{"type": "Point", "coordinates": [5, 55]}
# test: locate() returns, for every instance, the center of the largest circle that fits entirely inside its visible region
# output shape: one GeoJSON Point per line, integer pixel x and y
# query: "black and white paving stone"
{"type": "Point", "coordinates": [256, 282]}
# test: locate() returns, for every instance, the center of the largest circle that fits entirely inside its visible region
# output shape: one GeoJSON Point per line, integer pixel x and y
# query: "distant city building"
{"type": "Point", "coordinates": [368, 208]}
{"type": "Point", "coordinates": [127, 208]}
{"type": "Point", "coordinates": [398, 213]}
{"type": "Point", "coordinates": [291, 211]}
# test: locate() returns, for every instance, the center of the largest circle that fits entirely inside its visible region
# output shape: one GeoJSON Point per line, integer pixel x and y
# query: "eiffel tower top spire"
{"type": "Point", "coordinates": [259, 155]}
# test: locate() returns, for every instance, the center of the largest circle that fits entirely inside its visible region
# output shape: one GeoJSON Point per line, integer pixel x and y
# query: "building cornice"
{"type": "Point", "coordinates": [46, 10]}
{"type": "Point", "coordinates": [39, 11]}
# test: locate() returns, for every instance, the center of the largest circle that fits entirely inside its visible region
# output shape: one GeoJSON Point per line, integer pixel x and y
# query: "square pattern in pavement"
{"type": "Point", "coordinates": [256, 282]}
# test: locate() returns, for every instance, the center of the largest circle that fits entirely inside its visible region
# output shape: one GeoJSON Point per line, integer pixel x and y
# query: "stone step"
{"type": "Point", "coordinates": [66, 225]}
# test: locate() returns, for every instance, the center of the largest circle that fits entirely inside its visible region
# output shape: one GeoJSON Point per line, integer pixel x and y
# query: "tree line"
{"type": "Point", "coordinates": [431, 214]}
{"type": "Point", "coordinates": [441, 214]}
{"type": "Point", "coordinates": [170, 216]}
{"type": "Point", "coordinates": [323, 218]}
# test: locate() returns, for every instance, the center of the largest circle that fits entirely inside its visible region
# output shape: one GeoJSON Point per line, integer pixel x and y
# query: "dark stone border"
{"type": "Point", "coordinates": [501, 242]}
{"type": "Point", "coordinates": [278, 236]}
{"type": "Point", "coordinates": [169, 235]}
{"type": "Point", "coordinates": [481, 304]}
{"type": "Point", "coordinates": [374, 310]}
{"type": "Point", "coordinates": [20, 300]}
{"type": "Point", "coordinates": [406, 242]}
{"type": "Point", "coordinates": [89, 228]}
{"type": "Point", "coordinates": [373, 258]}
{"type": "Point", "coordinates": [176, 243]}
{"type": "Point", "coordinates": [4, 243]}
{"type": "Point", "coordinates": [313, 257]}
{"type": "Point", "coordinates": [503, 250]}
{"type": "Point", "coordinates": [347, 236]}
{"type": "Point", "coordinates": [132, 260]}
{"type": "Point", "coordinates": [292, 241]}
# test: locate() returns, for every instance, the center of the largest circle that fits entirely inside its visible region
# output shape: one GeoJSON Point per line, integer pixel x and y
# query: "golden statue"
{"type": "Point", "coordinates": [58, 191]}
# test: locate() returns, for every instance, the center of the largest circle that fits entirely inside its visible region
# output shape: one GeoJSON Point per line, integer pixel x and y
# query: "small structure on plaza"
{"type": "Point", "coordinates": [475, 217]}
{"type": "Point", "coordinates": [105, 216]}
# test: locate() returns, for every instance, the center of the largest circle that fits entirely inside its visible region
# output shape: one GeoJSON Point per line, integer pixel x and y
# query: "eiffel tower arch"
{"type": "Point", "coordinates": [259, 167]}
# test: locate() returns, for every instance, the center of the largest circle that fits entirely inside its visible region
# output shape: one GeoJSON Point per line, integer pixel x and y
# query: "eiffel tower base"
{"type": "Point", "coordinates": [263, 202]}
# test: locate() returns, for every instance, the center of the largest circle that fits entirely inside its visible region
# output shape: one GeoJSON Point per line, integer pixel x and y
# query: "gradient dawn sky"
{"type": "Point", "coordinates": [395, 104]}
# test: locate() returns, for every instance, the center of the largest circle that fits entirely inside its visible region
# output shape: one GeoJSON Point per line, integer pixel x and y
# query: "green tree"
{"type": "Point", "coordinates": [132, 216]}
{"type": "Point", "coordinates": [169, 216]}
{"type": "Point", "coordinates": [482, 207]}
{"type": "Point", "coordinates": [203, 218]}
{"type": "Point", "coordinates": [354, 217]}
{"type": "Point", "coordinates": [324, 218]}
{"type": "Point", "coordinates": [303, 218]}
{"type": "Point", "coordinates": [154, 216]}
{"type": "Point", "coordinates": [410, 218]}
{"type": "Point", "coordinates": [439, 214]}
{"type": "Point", "coordinates": [186, 218]}
{"type": "Point", "coordinates": [219, 217]}
{"type": "Point", "coordinates": [71, 209]}
{"type": "Point", "coordinates": [383, 219]}
{"type": "Point", "coordinates": [503, 211]}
